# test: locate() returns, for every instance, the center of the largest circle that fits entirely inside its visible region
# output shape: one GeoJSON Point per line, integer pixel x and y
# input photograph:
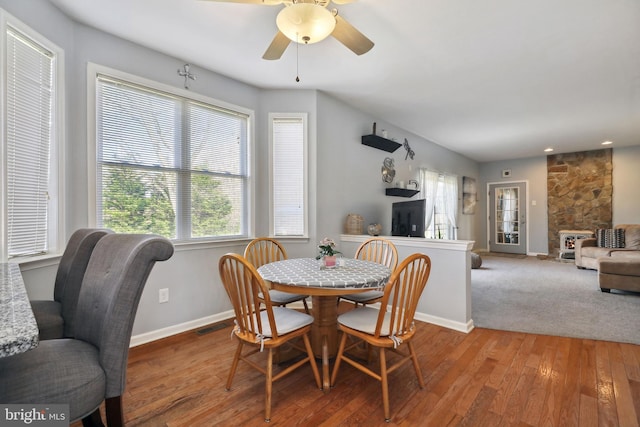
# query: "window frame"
{"type": "Point", "coordinates": [93, 71]}
{"type": "Point", "coordinates": [56, 184]}
{"type": "Point", "coordinates": [305, 173]}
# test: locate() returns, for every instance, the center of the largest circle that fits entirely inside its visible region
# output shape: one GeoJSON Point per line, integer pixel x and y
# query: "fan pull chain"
{"type": "Point", "coordinates": [297, 62]}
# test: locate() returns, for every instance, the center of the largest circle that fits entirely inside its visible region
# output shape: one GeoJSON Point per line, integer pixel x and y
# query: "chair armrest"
{"type": "Point", "coordinates": [583, 243]}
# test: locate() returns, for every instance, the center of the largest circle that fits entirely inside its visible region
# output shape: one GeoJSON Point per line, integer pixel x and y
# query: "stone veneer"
{"type": "Point", "coordinates": [579, 190]}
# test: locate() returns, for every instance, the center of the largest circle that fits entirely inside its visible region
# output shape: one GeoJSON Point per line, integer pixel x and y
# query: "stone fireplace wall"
{"type": "Point", "coordinates": [579, 190]}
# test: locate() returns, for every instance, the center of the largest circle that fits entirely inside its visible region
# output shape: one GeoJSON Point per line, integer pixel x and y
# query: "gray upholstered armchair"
{"type": "Point", "coordinates": [91, 368]}
{"type": "Point", "coordinates": [55, 317]}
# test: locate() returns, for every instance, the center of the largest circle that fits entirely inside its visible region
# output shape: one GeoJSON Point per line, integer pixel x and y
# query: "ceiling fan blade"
{"type": "Point", "coordinates": [277, 47]}
{"type": "Point", "coordinates": [347, 34]}
{"type": "Point", "coordinates": [265, 2]}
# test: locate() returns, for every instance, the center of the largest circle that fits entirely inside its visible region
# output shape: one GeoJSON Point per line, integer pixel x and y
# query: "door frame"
{"type": "Point", "coordinates": [526, 211]}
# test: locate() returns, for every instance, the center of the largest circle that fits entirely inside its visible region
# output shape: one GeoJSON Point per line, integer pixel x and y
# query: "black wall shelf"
{"type": "Point", "coordinates": [401, 192]}
{"type": "Point", "coordinates": [380, 143]}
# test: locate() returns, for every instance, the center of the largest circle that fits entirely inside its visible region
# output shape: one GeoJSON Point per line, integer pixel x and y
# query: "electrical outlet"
{"type": "Point", "coordinates": [163, 295]}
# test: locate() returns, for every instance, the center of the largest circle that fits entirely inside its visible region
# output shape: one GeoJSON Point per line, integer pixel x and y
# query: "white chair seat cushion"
{"type": "Point", "coordinates": [287, 320]}
{"type": "Point", "coordinates": [363, 297]}
{"type": "Point", "coordinates": [364, 319]}
{"type": "Point", "coordinates": [279, 297]}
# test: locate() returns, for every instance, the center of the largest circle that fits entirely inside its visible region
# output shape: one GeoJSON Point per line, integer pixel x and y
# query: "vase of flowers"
{"type": "Point", "coordinates": [327, 253]}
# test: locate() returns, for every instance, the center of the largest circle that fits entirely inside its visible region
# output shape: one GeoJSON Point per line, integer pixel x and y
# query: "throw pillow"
{"type": "Point", "coordinates": [618, 238]}
{"type": "Point", "coordinates": [600, 237]}
{"type": "Point", "coordinates": [610, 238]}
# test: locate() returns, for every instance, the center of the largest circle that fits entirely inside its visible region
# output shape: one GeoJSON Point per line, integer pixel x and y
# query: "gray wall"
{"type": "Point", "coordinates": [191, 275]}
{"type": "Point", "coordinates": [285, 101]}
{"type": "Point", "coordinates": [626, 179]}
{"type": "Point", "coordinates": [626, 203]}
{"type": "Point", "coordinates": [534, 172]}
{"type": "Point", "coordinates": [348, 172]}
{"type": "Point", "coordinates": [349, 179]}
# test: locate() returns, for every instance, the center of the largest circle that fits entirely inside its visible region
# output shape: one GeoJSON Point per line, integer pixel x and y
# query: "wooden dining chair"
{"type": "Point", "coordinates": [376, 249]}
{"type": "Point", "coordinates": [263, 329]}
{"type": "Point", "coordinates": [264, 250]}
{"type": "Point", "coordinates": [387, 329]}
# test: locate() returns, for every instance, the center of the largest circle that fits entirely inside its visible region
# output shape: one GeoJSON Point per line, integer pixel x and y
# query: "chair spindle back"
{"type": "Point", "coordinates": [247, 291]}
{"type": "Point", "coordinates": [402, 293]}
{"type": "Point", "coordinates": [379, 250]}
{"type": "Point", "coordinates": [264, 250]}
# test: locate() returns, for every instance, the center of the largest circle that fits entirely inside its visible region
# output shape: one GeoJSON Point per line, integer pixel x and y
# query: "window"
{"type": "Point", "coordinates": [439, 226]}
{"type": "Point", "coordinates": [32, 132]}
{"type": "Point", "coordinates": [168, 163]}
{"type": "Point", "coordinates": [441, 193]}
{"type": "Point", "coordinates": [288, 175]}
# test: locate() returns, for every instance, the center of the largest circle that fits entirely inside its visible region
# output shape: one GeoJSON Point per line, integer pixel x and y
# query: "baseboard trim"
{"type": "Point", "coordinates": [148, 337]}
{"type": "Point", "coordinates": [158, 334]}
{"type": "Point", "coordinates": [537, 254]}
{"type": "Point", "coordinates": [446, 323]}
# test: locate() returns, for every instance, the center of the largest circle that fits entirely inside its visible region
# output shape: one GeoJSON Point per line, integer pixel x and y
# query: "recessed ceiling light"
{"type": "Point", "coordinates": [548, 150]}
{"type": "Point", "coordinates": [607, 143]}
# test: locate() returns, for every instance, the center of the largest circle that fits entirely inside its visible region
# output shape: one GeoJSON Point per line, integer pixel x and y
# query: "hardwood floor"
{"type": "Point", "coordinates": [484, 378]}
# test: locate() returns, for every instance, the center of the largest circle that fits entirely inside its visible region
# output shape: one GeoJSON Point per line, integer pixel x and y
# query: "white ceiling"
{"type": "Point", "coordinates": [491, 79]}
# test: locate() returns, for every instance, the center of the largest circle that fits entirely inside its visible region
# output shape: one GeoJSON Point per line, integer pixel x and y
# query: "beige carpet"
{"type": "Point", "coordinates": [552, 298]}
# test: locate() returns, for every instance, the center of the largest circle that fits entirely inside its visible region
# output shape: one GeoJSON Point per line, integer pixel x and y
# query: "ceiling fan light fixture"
{"type": "Point", "coordinates": [306, 22]}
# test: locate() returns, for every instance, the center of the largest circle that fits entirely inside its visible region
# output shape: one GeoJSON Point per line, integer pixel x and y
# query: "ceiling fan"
{"type": "Point", "coordinates": [309, 21]}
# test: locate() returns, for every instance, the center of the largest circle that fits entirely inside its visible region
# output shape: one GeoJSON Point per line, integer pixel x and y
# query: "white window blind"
{"type": "Point", "coordinates": [29, 126]}
{"type": "Point", "coordinates": [288, 172]}
{"type": "Point", "coordinates": [168, 164]}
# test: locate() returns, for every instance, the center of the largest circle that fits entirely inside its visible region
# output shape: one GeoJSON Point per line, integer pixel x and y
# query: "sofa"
{"type": "Point", "coordinates": [618, 267]}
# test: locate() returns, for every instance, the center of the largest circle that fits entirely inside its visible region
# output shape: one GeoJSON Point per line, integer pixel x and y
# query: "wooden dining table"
{"type": "Point", "coordinates": [18, 327]}
{"type": "Point", "coordinates": [307, 277]}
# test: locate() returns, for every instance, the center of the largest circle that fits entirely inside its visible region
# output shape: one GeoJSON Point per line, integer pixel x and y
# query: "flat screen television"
{"type": "Point", "coordinates": [408, 218]}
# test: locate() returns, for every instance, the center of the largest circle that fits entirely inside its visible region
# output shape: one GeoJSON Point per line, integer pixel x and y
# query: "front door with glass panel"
{"type": "Point", "coordinates": [507, 218]}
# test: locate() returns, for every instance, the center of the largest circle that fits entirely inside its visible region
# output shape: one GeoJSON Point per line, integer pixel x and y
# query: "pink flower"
{"type": "Point", "coordinates": [327, 248]}
{"type": "Point", "coordinates": [327, 242]}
